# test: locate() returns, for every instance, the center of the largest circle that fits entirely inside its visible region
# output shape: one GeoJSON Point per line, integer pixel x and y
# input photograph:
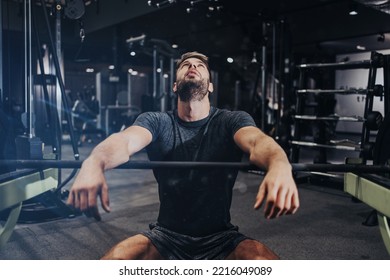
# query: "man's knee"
{"type": "Point", "coordinates": [252, 250]}
{"type": "Point", "coordinates": [118, 252]}
{"type": "Point", "coordinates": [137, 247]}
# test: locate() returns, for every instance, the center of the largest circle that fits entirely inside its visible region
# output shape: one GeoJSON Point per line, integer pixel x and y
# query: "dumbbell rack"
{"type": "Point", "coordinates": [370, 120]}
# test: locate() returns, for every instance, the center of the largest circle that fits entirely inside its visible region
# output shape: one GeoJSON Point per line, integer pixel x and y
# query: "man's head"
{"type": "Point", "coordinates": [197, 55]}
{"type": "Point", "coordinates": [192, 77]}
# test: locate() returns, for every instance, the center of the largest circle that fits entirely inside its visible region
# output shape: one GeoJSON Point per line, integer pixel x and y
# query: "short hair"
{"type": "Point", "coordinates": [197, 55]}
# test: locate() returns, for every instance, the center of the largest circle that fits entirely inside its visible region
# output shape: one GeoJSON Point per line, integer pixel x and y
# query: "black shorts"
{"type": "Point", "coordinates": [176, 246]}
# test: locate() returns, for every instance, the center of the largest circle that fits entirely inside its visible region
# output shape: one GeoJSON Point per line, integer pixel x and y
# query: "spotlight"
{"type": "Point", "coordinates": [254, 58]}
{"type": "Point", "coordinates": [353, 10]}
{"type": "Point", "coordinates": [353, 13]}
{"type": "Point", "coordinates": [360, 48]}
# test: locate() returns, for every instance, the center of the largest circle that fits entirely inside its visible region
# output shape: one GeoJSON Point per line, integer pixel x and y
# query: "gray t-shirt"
{"type": "Point", "coordinates": [195, 202]}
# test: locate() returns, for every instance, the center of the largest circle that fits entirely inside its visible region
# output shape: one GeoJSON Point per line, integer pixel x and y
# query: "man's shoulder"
{"type": "Point", "coordinates": [156, 115]}
{"type": "Point", "coordinates": [232, 113]}
{"type": "Point", "coordinates": [234, 119]}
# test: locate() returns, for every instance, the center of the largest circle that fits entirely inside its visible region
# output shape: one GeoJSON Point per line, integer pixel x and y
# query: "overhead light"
{"type": "Point", "coordinates": [361, 48]}
{"type": "Point", "coordinates": [174, 46]}
{"type": "Point", "coordinates": [132, 53]}
{"type": "Point", "coordinates": [230, 60]}
{"type": "Point", "coordinates": [254, 59]}
{"type": "Point", "coordinates": [353, 11]}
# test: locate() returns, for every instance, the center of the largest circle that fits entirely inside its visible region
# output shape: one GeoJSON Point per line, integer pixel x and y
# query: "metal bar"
{"type": "Point", "coordinates": [317, 145]}
{"type": "Point", "coordinates": [298, 167]}
{"type": "Point", "coordinates": [338, 65]}
{"type": "Point", "coordinates": [329, 118]}
{"type": "Point", "coordinates": [336, 91]}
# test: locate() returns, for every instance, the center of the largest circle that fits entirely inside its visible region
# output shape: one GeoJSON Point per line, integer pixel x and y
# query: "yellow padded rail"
{"type": "Point", "coordinates": [17, 190]}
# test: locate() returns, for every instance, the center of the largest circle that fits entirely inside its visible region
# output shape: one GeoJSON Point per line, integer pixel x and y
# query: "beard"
{"type": "Point", "coordinates": [189, 90]}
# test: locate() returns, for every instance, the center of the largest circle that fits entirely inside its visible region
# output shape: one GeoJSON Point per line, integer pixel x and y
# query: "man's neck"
{"type": "Point", "coordinates": [193, 110]}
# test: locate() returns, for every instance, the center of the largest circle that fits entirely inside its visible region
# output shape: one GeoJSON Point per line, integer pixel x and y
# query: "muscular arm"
{"type": "Point", "coordinates": [90, 182]}
{"type": "Point", "coordinates": [278, 189]}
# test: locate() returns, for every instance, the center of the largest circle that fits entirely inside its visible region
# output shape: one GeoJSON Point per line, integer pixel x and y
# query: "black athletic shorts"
{"type": "Point", "coordinates": [176, 246]}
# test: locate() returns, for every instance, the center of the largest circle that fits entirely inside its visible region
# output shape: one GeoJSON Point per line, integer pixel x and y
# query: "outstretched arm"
{"type": "Point", "coordinates": [278, 189]}
{"type": "Point", "coordinates": [90, 182]}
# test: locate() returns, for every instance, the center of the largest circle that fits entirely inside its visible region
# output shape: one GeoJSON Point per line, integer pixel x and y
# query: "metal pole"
{"type": "Point", "coordinates": [161, 94]}
{"type": "Point", "coordinates": [154, 77]}
{"type": "Point", "coordinates": [59, 55]}
{"type": "Point", "coordinates": [264, 77]}
{"type": "Point", "coordinates": [171, 81]}
{"type": "Point", "coordinates": [129, 90]}
{"type": "Point", "coordinates": [28, 69]}
{"type": "Point", "coordinates": [1, 53]}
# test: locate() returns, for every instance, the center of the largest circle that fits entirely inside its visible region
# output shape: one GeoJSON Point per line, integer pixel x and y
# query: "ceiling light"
{"type": "Point", "coordinates": [230, 60]}
{"type": "Point", "coordinates": [361, 48]}
{"type": "Point", "coordinates": [353, 11]}
{"type": "Point", "coordinates": [254, 59]}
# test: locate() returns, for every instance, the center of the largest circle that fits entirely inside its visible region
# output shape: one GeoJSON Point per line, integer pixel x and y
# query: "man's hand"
{"type": "Point", "coordinates": [279, 192]}
{"type": "Point", "coordinates": [89, 184]}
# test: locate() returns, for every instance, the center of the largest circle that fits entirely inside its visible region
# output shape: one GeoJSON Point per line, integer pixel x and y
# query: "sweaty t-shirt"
{"type": "Point", "coordinates": [195, 202]}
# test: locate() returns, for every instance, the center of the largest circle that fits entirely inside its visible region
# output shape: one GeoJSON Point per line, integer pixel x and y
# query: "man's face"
{"type": "Point", "coordinates": [192, 80]}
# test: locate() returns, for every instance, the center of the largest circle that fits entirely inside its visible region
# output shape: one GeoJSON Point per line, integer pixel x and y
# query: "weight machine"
{"type": "Point", "coordinates": [55, 104]}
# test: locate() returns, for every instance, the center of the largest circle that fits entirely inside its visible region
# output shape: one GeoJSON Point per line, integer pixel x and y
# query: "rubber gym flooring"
{"type": "Point", "coordinates": [328, 225]}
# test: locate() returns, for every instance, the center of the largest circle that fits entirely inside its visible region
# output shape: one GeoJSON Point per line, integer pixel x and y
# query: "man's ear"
{"type": "Point", "coordinates": [211, 87]}
{"type": "Point", "coordinates": [174, 88]}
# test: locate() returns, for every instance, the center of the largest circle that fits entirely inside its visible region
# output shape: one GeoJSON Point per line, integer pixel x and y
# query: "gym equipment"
{"type": "Point", "coordinates": [372, 189]}
{"type": "Point", "coordinates": [311, 100]}
{"type": "Point", "coordinates": [21, 186]}
{"type": "Point", "coordinates": [375, 192]}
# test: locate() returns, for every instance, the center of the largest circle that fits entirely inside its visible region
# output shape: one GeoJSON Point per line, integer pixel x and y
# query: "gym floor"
{"type": "Point", "coordinates": [328, 225]}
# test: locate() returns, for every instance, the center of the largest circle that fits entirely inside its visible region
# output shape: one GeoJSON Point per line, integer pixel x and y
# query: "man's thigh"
{"type": "Point", "coordinates": [252, 250]}
{"type": "Point", "coordinates": [137, 247]}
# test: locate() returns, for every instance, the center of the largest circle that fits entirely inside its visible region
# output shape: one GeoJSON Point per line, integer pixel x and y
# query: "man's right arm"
{"type": "Point", "coordinates": [90, 183]}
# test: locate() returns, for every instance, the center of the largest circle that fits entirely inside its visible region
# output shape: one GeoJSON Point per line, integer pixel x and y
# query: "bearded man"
{"type": "Point", "coordinates": [194, 215]}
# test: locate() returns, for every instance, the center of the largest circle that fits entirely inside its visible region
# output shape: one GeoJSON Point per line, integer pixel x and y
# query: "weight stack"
{"type": "Point", "coordinates": [28, 147]}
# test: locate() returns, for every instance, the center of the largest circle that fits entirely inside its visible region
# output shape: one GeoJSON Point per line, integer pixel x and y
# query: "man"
{"type": "Point", "coordinates": [194, 218]}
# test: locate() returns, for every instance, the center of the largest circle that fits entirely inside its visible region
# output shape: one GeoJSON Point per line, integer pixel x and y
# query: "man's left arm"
{"type": "Point", "coordinates": [278, 189]}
